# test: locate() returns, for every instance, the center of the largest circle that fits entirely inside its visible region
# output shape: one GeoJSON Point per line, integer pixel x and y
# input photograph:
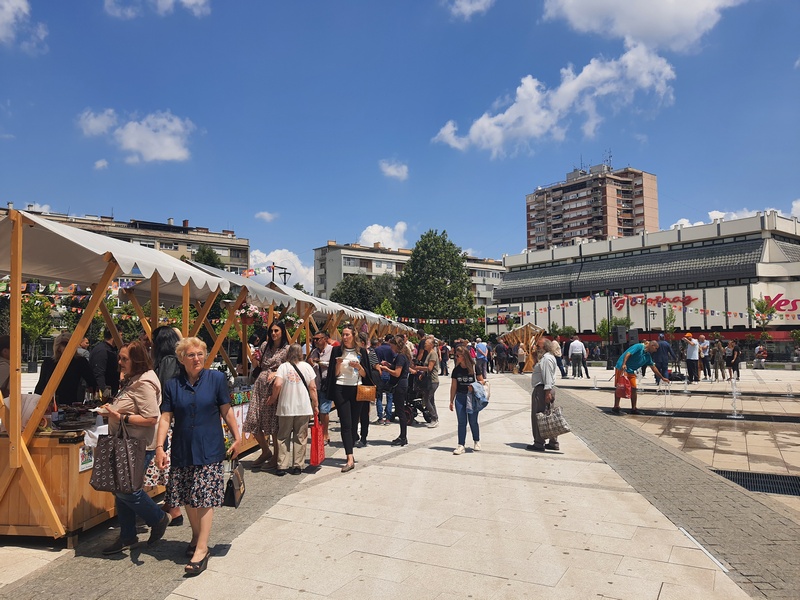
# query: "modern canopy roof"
{"type": "Point", "coordinates": [59, 252]}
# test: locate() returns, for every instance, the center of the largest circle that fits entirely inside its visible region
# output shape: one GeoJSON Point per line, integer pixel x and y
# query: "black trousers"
{"type": "Point", "coordinates": [400, 394]}
{"type": "Point", "coordinates": [361, 415]}
{"type": "Point", "coordinates": [344, 398]}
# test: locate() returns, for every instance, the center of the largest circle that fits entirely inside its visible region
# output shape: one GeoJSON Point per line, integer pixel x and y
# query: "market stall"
{"type": "Point", "coordinates": [527, 335]}
{"type": "Point", "coordinates": [44, 480]}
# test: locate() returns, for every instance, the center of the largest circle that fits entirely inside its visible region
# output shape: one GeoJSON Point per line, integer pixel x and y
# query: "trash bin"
{"type": "Point", "coordinates": [33, 367]}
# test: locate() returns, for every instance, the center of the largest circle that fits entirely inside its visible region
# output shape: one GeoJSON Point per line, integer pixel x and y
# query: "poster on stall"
{"type": "Point", "coordinates": [85, 458]}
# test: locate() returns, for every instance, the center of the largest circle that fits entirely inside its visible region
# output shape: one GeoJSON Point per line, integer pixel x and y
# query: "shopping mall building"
{"type": "Point", "coordinates": [707, 274]}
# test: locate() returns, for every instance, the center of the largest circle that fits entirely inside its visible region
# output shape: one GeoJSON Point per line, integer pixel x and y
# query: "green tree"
{"type": "Point", "coordinates": [669, 323]}
{"type": "Point", "coordinates": [357, 291]}
{"type": "Point", "coordinates": [602, 326]}
{"type": "Point", "coordinates": [208, 256]}
{"type": "Point", "coordinates": [299, 286]}
{"type": "Point", "coordinates": [568, 331]}
{"type": "Point", "coordinates": [386, 309]}
{"type": "Point", "coordinates": [435, 284]}
{"type": "Point", "coordinates": [795, 333]}
{"type": "Point", "coordinates": [36, 321]}
{"type": "Point", "coordinates": [385, 287]}
{"type": "Point", "coordinates": [761, 312]}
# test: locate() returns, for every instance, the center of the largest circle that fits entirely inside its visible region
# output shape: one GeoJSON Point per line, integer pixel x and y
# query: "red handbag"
{"type": "Point", "coordinates": [317, 444]}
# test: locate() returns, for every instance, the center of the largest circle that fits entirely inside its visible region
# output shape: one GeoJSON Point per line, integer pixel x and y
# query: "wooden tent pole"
{"type": "Point", "coordinates": [14, 419]}
{"type": "Point", "coordinates": [225, 329]}
{"type": "Point", "coordinates": [109, 321]}
{"type": "Point", "coordinates": [203, 309]}
{"type": "Point", "coordinates": [185, 311]}
{"type": "Point", "coordinates": [140, 313]}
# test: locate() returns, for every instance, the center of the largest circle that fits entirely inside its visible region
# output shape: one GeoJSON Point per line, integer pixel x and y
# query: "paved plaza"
{"type": "Point", "coordinates": [605, 517]}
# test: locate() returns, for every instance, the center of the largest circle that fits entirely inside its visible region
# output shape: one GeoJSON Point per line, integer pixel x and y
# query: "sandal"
{"type": "Point", "coordinates": [261, 460]}
{"type": "Point", "coordinates": [195, 568]}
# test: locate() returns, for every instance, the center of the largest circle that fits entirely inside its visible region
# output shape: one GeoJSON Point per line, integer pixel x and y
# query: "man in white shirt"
{"type": "Point", "coordinates": [692, 358]}
{"type": "Point", "coordinates": [705, 359]}
{"type": "Point", "coordinates": [577, 352]}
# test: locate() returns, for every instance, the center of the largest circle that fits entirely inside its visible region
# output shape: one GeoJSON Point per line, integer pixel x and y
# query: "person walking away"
{"type": "Point", "coordinates": [482, 356]}
{"type": "Point", "coordinates": [543, 381]}
{"type": "Point", "coordinates": [445, 351]}
{"type": "Point", "coordinates": [559, 360]}
{"type": "Point", "coordinates": [103, 360]}
{"type": "Point", "coordinates": [634, 358]}
{"type": "Point", "coordinates": [705, 356]}
{"type": "Point", "coordinates": [295, 393]}
{"type": "Point", "coordinates": [692, 358]}
{"type": "Point", "coordinates": [577, 352]}
{"type": "Point", "coordinates": [662, 356]}
{"type": "Point", "coordinates": [385, 394]}
{"type": "Point", "coordinates": [718, 358]}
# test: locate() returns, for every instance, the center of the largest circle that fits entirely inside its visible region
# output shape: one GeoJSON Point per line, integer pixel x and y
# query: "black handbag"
{"type": "Point", "coordinates": [234, 489]}
{"type": "Point", "coordinates": [119, 463]}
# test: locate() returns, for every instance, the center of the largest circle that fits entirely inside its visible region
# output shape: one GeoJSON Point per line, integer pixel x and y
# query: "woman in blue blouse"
{"type": "Point", "coordinates": [196, 400]}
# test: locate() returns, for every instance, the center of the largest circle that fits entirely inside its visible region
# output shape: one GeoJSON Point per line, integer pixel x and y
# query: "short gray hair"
{"type": "Point", "coordinates": [294, 354]}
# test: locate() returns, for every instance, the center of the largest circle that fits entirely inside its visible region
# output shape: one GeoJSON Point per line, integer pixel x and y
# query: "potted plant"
{"type": "Point", "coordinates": [248, 313]}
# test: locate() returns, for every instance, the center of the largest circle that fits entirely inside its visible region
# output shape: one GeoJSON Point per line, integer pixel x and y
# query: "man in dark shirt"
{"type": "Point", "coordinates": [103, 360]}
{"type": "Point", "coordinates": [662, 356]}
{"type": "Point", "coordinates": [384, 353]}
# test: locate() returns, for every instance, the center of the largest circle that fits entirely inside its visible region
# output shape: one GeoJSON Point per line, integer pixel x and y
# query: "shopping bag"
{"type": "Point", "coordinates": [317, 444]}
{"type": "Point", "coordinates": [552, 424]}
{"type": "Point", "coordinates": [118, 463]}
{"type": "Point", "coordinates": [623, 386]}
{"type": "Point", "coordinates": [234, 489]}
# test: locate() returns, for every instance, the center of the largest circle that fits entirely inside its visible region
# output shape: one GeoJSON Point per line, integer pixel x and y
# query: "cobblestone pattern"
{"type": "Point", "coordinates": [756, 540]}
{"type": "Point", "coordinates": [146, 573]}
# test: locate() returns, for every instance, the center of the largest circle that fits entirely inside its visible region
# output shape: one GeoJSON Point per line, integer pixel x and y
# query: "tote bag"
{"type": "Point", "coordinates": [552, 424]}
{"type": "Point", "coordinates": [234, 489]}
{"type": "Point", "coordinates": [118, 463]}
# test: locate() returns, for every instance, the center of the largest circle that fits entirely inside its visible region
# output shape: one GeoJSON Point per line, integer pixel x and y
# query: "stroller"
{"type": "Point", "coordinates": [414, 403]}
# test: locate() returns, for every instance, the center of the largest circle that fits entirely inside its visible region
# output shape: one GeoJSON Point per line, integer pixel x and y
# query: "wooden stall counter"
{"type": "Point", "coordinates": [65, 467]}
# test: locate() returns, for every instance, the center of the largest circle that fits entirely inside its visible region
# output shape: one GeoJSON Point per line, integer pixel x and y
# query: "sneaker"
{"type": "Point", "coordinates": [399, 441]}
{"type": "Point", "coordinates": [433, 424]}
{"type": "Point", "coordinates": [459, 450]}
{"type": "Point", "coordinates": [158, 530]}
{"type": "Point", "coordinates": [477, 447]}
{"type": "Point", "coordinates": [119, 546]}
{"type": "Point", "coordinates": [551, 446]}
{"type": "Point", "coordinates": [386, 421]}
{"type": "Point", "coordinates": [534, 448]}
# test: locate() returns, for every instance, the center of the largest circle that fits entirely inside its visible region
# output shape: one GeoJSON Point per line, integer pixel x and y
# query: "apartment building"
{"type": "Point", "coordinates": [598, 204]}
{"type": "Point", "coordinates": [333, 262]}
{"type": "Point", "coordinates": [176, 240]}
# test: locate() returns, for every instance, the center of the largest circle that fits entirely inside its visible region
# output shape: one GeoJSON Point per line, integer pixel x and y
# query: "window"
{"type": "Point", "coordinates": [168, 245]}
{"type": "Point", "coordinates": [348, 261]}
{"type": "Point", "coordinates": [144, 243]}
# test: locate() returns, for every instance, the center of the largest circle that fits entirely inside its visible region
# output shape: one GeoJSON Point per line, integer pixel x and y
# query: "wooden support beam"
{"type": "Point", "coordinates": [203, 309]}
{"type": "Point", "coordinates": [109, 321]}
{"type": "Point", "coordinates": [154, 301]}
{"type": "Point", "coordinates": [224, 333]}
{"type": "Point", "coordinates": [14, 416]}
{"type": "Point", "coordinates": [219, 350]}
{"type": "Point", "coordinates": [185, 312]}
{"type": "Point", "coordinates": [140, 313]}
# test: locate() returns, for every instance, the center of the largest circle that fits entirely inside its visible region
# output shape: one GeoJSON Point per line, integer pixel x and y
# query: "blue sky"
{"type": "Point", "coordinates": [293, 123]}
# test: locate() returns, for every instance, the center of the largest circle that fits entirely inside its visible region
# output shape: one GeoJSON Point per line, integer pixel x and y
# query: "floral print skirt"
{"type": "Point", "coordinates": [197, 486]}
{"type": "Point", "coordinates": [260, 417]}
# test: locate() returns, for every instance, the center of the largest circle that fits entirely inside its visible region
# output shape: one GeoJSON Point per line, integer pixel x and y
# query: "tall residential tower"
{"type": "Point", "coordinates": [596, 205]}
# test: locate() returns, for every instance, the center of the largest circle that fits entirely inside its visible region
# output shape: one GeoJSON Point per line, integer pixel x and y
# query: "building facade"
{"type": "Point", "coordinates": [597, 204]}
{"type": "Point", "coordinates": [707, 276]}
{"type": "Point", "coordinates": [175, 240]}
{"type": "Point", "coordinates": [333, 262]}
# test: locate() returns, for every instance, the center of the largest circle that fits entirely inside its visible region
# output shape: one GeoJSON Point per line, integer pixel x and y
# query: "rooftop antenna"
{"type": "Point", "coordinates": [608, 158]}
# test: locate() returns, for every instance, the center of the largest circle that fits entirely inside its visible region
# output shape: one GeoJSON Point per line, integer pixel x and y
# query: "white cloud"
{"type": "Point", "coordinates": [92, 123]}
{"type": "Point", "coordinates": [641, 138]}
{"type": "Point", "coordinates": [160, 136]}
{"type": "Point", "coordinates": [464, 9]}
{"type": "Point", "coordinates": [394, 169]}
{"type": "Point", "coordinates": [7, 136]}
{"type": "Point", "coordinates": [470, 251]}
{"type": "Point", "coordinates": [796, 208]}
{"type": "Point", "coordinates": [685, 223]}
{"type": "Point", "coordinates": [266, 216]}
{"type": "Point", "coordinates": [101, 164]}
{"type": "Point", "coordinates": [119, 10]}
{"type": "Point", "coordinates": [797, 64]}
{"type": "Point", "coordinates": [389, 237]}
{"type": "Point", "coordinates": [130, 9]}
{"type": "Point", "coordinates": [537, 112]}
{"type": "Point", "coordinates": [285, 258]}
{"type": "Point", "coordinates": [742, 213]}
{"type": "Point", "coordinates": [36, 207]}
{"type": "Point", "coordinates": [677, 24]}
{"type": "Point", "coordinates": [15, 23]}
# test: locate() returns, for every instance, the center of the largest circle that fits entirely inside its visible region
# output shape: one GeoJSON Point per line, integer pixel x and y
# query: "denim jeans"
{"type": "Point", "coordinates": [383, 389]}
{"type": "Point", "coordinates": [137, 503]}
{"type": "Point", "coordinates": [463, 417]}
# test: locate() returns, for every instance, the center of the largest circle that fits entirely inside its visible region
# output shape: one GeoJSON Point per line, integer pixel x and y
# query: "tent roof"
{"type": "Point", "coordinates": [60, 252]}
{"type": "Point", "coordinates": [257, 293]}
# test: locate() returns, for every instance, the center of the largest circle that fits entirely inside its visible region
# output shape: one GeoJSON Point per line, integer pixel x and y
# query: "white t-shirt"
{"type": "Point", "coordinates": [348, 375]}
{"type": "Point", "coordinates": [294, 400]}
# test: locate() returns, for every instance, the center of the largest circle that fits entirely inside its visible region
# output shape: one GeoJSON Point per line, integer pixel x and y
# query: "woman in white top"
{"type": "Point", "coordinates": [295, 392]}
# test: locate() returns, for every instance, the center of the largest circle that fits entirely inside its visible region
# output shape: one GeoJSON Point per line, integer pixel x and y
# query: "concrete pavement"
{"type": "Point", "coordinates": [500, 523]}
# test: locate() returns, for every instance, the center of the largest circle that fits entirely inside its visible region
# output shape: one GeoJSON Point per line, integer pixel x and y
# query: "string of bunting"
{"type": "Point", "coordinates": [440, 321]}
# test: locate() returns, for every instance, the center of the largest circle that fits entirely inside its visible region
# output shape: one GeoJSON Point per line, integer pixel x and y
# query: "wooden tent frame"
{"type": "Point", "coordinates": [528, 335]}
